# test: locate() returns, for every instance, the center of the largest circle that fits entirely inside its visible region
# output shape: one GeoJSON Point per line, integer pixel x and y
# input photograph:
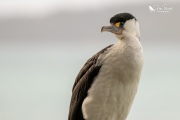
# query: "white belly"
{"type": "Point", "coordinates": [113, 90]}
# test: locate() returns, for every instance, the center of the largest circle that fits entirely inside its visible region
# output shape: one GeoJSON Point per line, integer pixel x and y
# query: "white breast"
{"type": "Point", "coordinates": [113, 90]}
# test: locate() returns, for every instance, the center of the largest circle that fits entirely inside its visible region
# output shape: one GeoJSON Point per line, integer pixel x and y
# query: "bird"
{"type": "Point", "coordinates": [107, 84]}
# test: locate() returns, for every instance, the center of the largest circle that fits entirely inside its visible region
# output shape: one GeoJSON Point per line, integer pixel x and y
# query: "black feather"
{"type": "Point", "coordinates": [82, 84]}
{"type": "Point", "coordinates": [121, 17]}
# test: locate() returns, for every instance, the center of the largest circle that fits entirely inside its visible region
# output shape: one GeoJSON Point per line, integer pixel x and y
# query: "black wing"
{"type": "Point", "coordinates": [82, 84]}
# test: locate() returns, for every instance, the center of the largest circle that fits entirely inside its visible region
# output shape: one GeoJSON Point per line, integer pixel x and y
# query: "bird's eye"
{"type": "Point", "coordinates": [119, 24]}
{"type": "Point", "coordinates": [122, 24]}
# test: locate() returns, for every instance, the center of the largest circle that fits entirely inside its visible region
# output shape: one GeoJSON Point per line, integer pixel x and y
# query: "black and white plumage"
{"type": "Point", "coordinates": [107, 84]}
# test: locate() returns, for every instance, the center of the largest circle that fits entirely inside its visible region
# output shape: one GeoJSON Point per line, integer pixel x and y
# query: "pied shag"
{"type": "Point", "coordinates": [107, 84]}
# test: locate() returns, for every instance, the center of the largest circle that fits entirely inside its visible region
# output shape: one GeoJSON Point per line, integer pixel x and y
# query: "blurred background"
{"type": "Point", "coordinates": [44, 44]}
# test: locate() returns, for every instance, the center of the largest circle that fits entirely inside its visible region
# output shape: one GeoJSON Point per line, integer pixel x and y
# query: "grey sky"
{"type": "Point", "coordinates": [43, 7]}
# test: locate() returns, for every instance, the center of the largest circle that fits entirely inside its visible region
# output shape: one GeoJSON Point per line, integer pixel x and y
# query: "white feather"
{"type": "Point", "coordinates": [131, 29]}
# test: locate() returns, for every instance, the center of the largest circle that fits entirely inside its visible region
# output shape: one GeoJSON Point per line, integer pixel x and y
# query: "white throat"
{"type": "Point", "coordinates": [131, 29]}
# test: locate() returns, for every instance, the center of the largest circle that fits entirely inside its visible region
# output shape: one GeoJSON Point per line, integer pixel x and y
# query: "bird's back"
{"type": "Point", "coordinates": [82, 83]}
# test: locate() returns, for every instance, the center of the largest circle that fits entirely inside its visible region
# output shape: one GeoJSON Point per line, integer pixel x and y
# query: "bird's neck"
{"type": "Point", "coordinates": [127, 36]}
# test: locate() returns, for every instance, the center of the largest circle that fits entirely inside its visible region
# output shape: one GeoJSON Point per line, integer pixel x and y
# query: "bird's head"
{"type": "Point", "coordinates": [123, 25]}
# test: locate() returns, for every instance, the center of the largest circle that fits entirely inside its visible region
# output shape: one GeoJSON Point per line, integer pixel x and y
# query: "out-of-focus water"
{"type": "Point", "coordinates": [36, 81]}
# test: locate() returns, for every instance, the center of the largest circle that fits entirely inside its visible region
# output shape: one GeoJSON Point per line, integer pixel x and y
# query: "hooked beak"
{"type": "Point", "coordinates": [112, 28]}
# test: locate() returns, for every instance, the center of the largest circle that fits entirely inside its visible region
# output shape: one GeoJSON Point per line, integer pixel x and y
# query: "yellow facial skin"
{"type": "Point", "coordinates": [117, 24]}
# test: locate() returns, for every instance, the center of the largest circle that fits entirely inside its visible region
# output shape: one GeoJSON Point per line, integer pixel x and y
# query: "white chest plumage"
{"type": "Point", "coordinates": [113, 90]}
